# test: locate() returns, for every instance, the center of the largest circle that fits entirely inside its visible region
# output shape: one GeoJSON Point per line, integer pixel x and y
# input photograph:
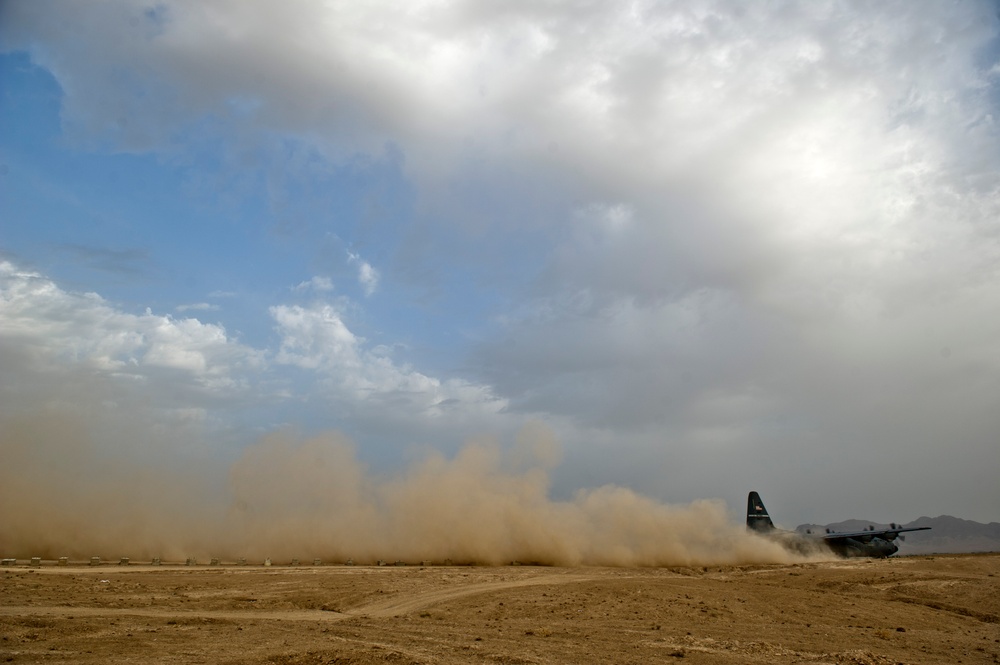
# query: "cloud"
{"type": "Point", "coordinates": [317, 283]}
{"type": "Point", "coordinates": [316, 338]}
{"type": "Point", "coordinates": [749, 229]}
{"type": "Point", "coordinates": [193, 365]}
{"type": "Point", "coordinates": [199, 307]}
{"type": "Point", "coordinates": [367, 275]}
{"type": "Point", "coordinates": [313, 338]}
{"type": "Point", "coordinates": [56, 327]}
{"type": "Point", "coordinates": [659, 110]}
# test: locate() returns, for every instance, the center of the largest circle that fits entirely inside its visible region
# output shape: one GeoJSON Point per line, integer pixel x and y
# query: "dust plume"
{"type": "Point", "coordinates": [65, 494]}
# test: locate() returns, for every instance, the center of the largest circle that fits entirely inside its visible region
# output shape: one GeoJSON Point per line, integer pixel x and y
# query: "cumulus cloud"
{"type": "Point", "coordinates": [313, 338]}
{"type": "Point", "coordinates": [190, 368]}
{"type": "Point", "coordinates": [317, 338]}
{"type": "Point", "coordinates": [56, 330]}
{"type": "Point", "coordinates": [56, 327]}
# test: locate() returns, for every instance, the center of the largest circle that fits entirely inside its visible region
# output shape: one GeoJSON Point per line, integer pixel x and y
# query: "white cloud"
{"type": "Point", "coordinates": [56, 327]}
{"type": "Point", "coordinates": [313, 338]}
{"type": "Point", "coordinates": [198, 307]}
{"type": "Point", "coordinates": [367, 275]}
{"type": "Point", "coordinates": [316, 338]}
{"type": "Point", "coordinates": [318, 283]}
{"type": "Point", "coordinates": [187, 367]}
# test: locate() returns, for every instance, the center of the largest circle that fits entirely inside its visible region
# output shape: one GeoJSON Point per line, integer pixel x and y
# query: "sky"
{"type": "Point", "coordinates": [686, 249]}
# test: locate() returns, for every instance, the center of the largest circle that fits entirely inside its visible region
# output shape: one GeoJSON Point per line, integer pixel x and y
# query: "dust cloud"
{"type": "Point", "coordinates": [65, 494]}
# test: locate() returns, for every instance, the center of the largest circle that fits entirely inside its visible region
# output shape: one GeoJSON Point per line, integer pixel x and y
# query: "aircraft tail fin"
{"type": "Point", "coordinates": [757, 517]}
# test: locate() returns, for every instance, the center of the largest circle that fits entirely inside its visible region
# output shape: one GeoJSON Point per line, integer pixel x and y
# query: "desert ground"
{"type": "Point", "coordinates": [928, 609]}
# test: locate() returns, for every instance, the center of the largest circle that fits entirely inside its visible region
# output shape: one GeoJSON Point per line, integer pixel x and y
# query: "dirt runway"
{"type": "Point", "coordinates": [940, 609]}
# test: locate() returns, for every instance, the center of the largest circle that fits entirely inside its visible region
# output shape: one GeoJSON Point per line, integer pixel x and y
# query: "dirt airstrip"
{"type": "Point", "coordinates": [940, 609]}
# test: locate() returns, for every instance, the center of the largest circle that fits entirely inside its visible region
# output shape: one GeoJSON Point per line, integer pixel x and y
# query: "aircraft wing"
{"type": "Point", "coordinates": [886, 534]}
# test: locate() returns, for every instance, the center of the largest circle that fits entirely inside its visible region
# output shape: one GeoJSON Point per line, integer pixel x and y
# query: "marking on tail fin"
{"type": "Point", "coordinates": [757, 517]}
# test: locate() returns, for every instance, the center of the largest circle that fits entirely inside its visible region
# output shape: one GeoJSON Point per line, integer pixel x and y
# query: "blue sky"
{"type": "Point", "coordinates": [707, 248]}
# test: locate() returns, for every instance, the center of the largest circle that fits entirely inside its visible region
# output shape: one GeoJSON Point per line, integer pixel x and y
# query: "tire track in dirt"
{"type": "Point", "coordinates": [957, 610]}
{"type": "Point", "coordinates": [419, 601]}
{"type": "Point", "coordinates": [183, 615]}
{"type": "Point", "coordinates": [381, 609]}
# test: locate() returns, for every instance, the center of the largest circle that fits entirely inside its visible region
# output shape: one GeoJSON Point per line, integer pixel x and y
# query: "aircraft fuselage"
{"type": "Point", "coordinates": [878, 548]}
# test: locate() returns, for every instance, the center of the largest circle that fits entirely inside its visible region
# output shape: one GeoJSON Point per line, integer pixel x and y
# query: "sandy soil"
{"type": "Point", "coordinates": [941, 609]}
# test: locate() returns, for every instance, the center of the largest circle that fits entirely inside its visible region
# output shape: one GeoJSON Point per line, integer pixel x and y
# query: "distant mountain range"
{"type": "Point", "coordinates": [948, 535]}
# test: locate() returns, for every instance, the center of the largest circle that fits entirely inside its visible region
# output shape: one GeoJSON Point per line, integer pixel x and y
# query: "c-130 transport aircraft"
{"type": "Point", "coordinates": [869, 543]}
